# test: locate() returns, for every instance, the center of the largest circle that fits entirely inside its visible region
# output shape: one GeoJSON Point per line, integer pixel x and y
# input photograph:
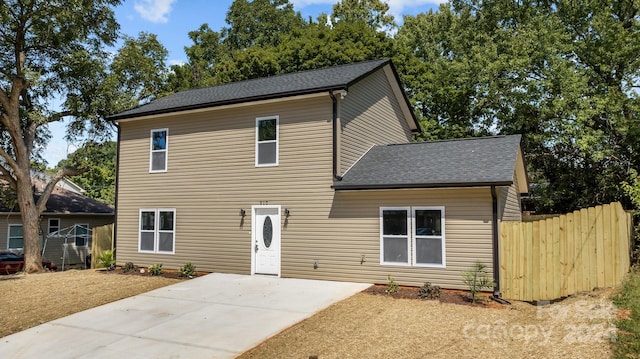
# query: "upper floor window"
{"type": "Point", "coordinates": [16, 237]}
{"type": "Point", "coordinates": [158, 157]}
{"type": "Point", "coordinates": [81, 235]}
{"type": "Point", "coordinates": [267, 132]}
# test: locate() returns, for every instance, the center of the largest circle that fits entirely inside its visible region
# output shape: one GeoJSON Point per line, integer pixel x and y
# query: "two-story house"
{"type": "Point", "coordinates": [309, 175]}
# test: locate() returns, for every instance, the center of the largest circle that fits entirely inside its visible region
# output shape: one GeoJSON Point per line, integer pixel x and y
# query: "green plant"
{"type": "Point", "coordinates": [129, 267]}
{"type": "Point", "coordinates": [428, 291]}
{"type": "Point", "coordinates": [187, 270]}
{"type": "Point", "coordinates": [107, 259]}
{"type": "Point", "coordinates": [627, 343]}
{"type": "Point", "coordinates": [155, 269]}
{"type": "Point", "coordinates": [392, 286]}
{"type": "Point", "coordinates": [477, 279]}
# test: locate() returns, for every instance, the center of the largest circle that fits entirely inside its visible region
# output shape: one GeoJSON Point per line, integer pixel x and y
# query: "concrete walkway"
{"type": "Point", "coordinates": [215, 316]}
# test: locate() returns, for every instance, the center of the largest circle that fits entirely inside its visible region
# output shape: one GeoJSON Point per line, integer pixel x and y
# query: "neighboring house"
{"type": "Point", "coordinates": [309, 175]}
{"type": "Point", "coordinates": [65, 225]}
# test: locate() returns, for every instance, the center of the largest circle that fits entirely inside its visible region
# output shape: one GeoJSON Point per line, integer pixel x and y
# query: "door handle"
{"type": "Point", "coordinates": [256, 247]}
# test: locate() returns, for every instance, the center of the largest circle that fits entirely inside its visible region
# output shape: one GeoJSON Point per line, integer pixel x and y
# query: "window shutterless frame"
{"type": "Point", "coordinates": [394, 232]}
{"type": "Point", "coordinates": [14, 232]}
{"type": "Point", "coordinates": [428, 232]}
{"type": "Point", "coordinates": [159, 150]}
{"type": "Point", "coordinates": [84, 227]}
{"type": "Point", "coordinates": [157, 230]}
{"type": "Point", "coordinates": [54, 225]}
{"type": "Point", "coordinates": [267, 149]}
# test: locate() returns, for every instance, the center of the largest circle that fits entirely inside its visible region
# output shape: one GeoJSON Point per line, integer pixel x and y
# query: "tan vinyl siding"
{"type": "Point", "coordinates": [212, 175]}
{"type": "Point", "coordinates": [55, 246]}
{"type": "Point", "coordinates": [369, 115]}
{"type": "Point", "coordinates": [510, 209]}
{"type": "Point", "coordinates": [352, 230]}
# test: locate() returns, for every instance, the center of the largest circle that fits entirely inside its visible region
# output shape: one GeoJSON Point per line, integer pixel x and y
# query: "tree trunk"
{"type": "Point", "coordinates": [30, 220]}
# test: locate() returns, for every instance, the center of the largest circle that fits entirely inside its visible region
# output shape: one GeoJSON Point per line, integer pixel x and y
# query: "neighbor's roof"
{"type": "Point", "coordinates": [64, 201]}
{"type": "Point", "coordinates": [472, 162]}
{"type": "Point", "coordinates": [293, 84]}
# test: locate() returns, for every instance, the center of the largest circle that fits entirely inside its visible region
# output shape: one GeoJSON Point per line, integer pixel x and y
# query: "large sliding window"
{"type": "Point", "coordinates": [157, 231]}
{"type": "Point", "coordinates": [81, 235]}
{"type": "Point", "coordinates": [412, 236]}
{"type": "Point", "coordinates": [267, 133]}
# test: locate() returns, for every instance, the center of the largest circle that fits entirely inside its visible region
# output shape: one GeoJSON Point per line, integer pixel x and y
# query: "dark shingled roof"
{"type": "Point", "coordinates": [299, 83]}
{"type": "Point", "coordinates": [62, 201]}
{"type": "Point", "coordinates": [469, 162]}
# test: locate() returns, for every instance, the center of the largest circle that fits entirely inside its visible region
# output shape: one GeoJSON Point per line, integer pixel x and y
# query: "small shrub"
{"type": "Point", "coordinates": [129, 267]}
{"type": "Point", "coordinates": [428, 291]}
{"type": "Point", "coordinates": [107, 259]}
{"type": "Point", "coordinates": [477, 279]}
{"type": "Point", "coordinates": [155, 269]}
{"type": "Point", "coordinates": [187, 270]}
{"type": "Point", "coordinates": [393, 286]}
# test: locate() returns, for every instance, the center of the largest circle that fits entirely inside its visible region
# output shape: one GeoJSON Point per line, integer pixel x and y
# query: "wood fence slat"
{"type": "Point", "coordinates": [536, 260]}
{"type": "Point", "coordinates": [555, 259]}
{"type": "Point", "coordinates": [570, 255]}
{"type": "Point", "coordinates": [592, 261]}
{"type": "Point", "coordinates": [527, 237]}
{"type": "Point", "coordinates": [562, 258]}
{"type": "Point", "coordinates": [607, 244]}
{"type": "Point", "coordinates": [599, 238]}
{"type": "Point", "coordinates": [584, 249]}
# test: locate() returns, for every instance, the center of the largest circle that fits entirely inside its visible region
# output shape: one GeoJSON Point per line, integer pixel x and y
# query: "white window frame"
{"type": "Point", "coordinates": [76, 236]}
{"type": "Point", "coordinates": [441, 236]}
{"type": "Point", "coordinates": [276, 141]}
{"type": "Point", "coordinates": [156, 230]}
{"type": "Point", "coordinates": [9, 237]}
{"type": "Point", "coordinates": [408, 236]}
{"type": "Point", "coordinates": [49, 226]}
{"type": "Point", "coordinates": [165, 150]}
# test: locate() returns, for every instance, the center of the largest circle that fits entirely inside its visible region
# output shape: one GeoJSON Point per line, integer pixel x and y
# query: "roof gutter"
{"type": "Point", "coordinates": [334, 123]}
{"type": "Point", "coordinates": [341, 187]}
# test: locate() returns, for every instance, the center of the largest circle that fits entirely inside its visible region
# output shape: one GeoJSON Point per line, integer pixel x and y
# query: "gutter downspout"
{"type": "Point", "coordinates": [115, 211]}
{"type": "Point", "coordinates": [336, 177]}
{"type": "Point", "coordinates": [496, 248]}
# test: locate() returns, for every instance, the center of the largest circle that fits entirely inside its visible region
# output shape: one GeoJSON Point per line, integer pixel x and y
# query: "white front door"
{"type": "Point", "coordinates": [266, 239]}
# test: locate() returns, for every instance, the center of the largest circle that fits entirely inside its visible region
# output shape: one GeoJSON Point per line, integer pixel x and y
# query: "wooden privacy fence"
{"type": "Point", "coordinates": [563, 255]}
{"type": "Point", "coordinates": [102, 239]}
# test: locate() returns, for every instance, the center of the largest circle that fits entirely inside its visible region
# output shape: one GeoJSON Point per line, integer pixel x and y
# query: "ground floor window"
{"type": "Point", "coordinates": [16, 237]}
{"type": "Point", "coordinates": [81, 235]}
{"type": "Point", "coordinates": [157, 231]}
{"type": "Point", "coordinates": [412, 236]}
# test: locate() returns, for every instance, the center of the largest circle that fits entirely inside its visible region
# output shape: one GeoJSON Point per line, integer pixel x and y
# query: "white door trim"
{"type": "Point", "coordinates": [254, 209]}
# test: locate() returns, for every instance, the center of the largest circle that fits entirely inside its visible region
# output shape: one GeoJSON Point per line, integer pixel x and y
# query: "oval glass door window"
{"type": "Point", "coordinates": [267, 232]}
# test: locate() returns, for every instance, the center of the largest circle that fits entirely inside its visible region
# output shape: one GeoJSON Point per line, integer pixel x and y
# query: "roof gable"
{"type": "Point", "coordinates": [273, 87]}
{"type": "Point", "coordinates": [472, 162]}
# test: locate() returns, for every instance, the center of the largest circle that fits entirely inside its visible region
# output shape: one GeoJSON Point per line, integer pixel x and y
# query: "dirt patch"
{"type": "Point", "coordinates": [32, 299]}
{"type": "Point", "coordinates": [375, 325]}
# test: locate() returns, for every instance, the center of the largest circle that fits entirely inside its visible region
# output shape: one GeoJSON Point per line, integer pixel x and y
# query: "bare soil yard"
{"type": "Point", "coordinates": [370, 324]}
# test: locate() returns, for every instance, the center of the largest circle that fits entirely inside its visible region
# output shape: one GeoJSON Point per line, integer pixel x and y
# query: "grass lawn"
{"type": "Point", "coordinates": [627, 299]}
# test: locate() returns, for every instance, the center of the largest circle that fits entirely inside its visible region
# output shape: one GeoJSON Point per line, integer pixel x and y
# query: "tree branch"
{"type": "Point", "coordinates": [46, 193]}
{"type": "Point", "coordinates": [8, 159]}
{"type": "Point", "coordinates": [7, 176]}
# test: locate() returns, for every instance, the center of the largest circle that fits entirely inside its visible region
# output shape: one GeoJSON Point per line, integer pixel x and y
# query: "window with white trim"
{"type": "Point", "coordinates": [412, 236]}
{"type": "Point", "coordinates": [15, 237]}
{"type": "Point", "coordinates": [81, 235]}
{"type": "Point", "coordinates": [267, 133]}
{"type": "Point", "coordinates": [159, 154]}
{"type": "Point", "coordinates": [157, 231]}
{"type": "Point", "coordinates": [54, 225]}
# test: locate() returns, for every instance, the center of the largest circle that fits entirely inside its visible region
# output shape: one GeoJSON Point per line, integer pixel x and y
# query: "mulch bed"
{"type": "Point", "coordinates": [446, 296]}
{"type": "Point", "coordinates": [167, 273]}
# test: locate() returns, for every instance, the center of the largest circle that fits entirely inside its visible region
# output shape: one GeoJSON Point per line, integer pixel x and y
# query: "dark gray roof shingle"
{"type": "Point", "coordinates": [63, 201]}
{"type": "Point", "coordinates": [305, 82]}
{"type": "Point", "coordinates": [451, 163]}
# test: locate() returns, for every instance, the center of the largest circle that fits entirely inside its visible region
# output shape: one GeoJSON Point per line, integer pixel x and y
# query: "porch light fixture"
{"type": "Point", "coordinates": [286, 212]}
{"type": "Point", "coordinates": [243, 212]}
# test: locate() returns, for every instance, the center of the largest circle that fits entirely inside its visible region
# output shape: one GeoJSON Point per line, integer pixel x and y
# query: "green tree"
{"type": "Point", "coordinates": [560, 72]}
{"type": "Point", "coordinates": [374, 13]}
{"type": "Point", "coordinates": [51, 50]}
{"type": "Point", "coordinates": [99, 160]}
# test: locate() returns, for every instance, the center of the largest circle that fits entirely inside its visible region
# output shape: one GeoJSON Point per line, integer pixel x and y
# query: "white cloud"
{"type": "Point", "coordinates": [156, 11]}
{"type": "Point", "coordinates": [176, 62]}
